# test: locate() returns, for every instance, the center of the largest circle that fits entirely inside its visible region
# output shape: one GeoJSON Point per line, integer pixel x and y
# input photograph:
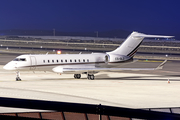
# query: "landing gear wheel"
{"type": "Point", "coordinates": [18, 79]}
{"type": "Point", "coordinates": [77, 76]}
{"type": "Point", "coordinates": [90, 77]}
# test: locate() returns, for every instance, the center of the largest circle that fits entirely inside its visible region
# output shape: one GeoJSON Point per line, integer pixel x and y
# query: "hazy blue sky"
{"type": "Point", "coordinates": [148, 16]}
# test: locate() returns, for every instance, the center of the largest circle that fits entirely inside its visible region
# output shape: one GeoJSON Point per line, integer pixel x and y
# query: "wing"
{"type": "Point", "coordinates": [81, 70]}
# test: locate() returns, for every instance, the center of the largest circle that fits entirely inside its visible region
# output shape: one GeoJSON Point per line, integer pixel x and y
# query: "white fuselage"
{"type": "Point", "coordinates": [47, 62]}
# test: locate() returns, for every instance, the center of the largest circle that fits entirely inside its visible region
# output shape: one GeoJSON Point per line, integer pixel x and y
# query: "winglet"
{"type": "Point", "coordinates": [161, 65]}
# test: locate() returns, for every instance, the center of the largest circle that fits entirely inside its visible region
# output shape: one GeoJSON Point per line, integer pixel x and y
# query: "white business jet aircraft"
{"type": "Point", "coordinates": [78, 64]}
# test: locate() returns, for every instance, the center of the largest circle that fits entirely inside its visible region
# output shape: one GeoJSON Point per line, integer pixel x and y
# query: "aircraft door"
{"type": "Point", "coordinates": [33, 63]}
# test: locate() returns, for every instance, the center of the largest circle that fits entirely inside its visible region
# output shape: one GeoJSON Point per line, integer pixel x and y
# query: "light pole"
{"type": "Point", "coordinates": [96, 33]}
{"type": "Point", "coordinates": [54, 32]}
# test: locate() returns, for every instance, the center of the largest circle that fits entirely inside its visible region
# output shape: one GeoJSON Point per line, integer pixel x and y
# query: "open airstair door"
{"type": "Point", "coordinates": [33, 63]}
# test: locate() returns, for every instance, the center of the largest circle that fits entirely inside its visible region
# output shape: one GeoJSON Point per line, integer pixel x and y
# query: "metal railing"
{"type": "Point", "coordinates": [86, 108]}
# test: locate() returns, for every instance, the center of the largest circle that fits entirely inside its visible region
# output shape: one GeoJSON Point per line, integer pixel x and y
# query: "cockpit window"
{"type": "Point", "coordinates": [16, 59]}
{"type": "Point", "coordinates": [19, 59]}
{"type": "Point", "coordinates": [22, 59]}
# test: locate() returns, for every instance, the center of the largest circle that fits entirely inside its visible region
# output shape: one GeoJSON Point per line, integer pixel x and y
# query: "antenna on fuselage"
{"type": "Point", "coordinates": [80, 52]}
{"type": "Point", "coordinates": [47, 53]}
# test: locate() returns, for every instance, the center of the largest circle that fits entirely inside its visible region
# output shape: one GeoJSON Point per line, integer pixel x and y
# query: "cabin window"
{"type": "Point", "coordinates": [87, 60]}
{"type": "Point", "coordinates": [74, 60]}
{"type": "Point", "coordinates": [61, 60]}
{"type": "Point", "coordinates": [65, 60]}
{"type": "Point", "coordinates": [70, 60]}
{"type": "Point", "coordinates": [48, 61]}
{"type": "Point", "coordinates": [44, 61]}
{"type": "Point", "coordinates": [57, 61]}
{"type": "Point", "coordinates": [83, 60]}
{"type": "Point", "coordinates": [52, 60]}
{"type": "Point", "coordinates": [79, 60]}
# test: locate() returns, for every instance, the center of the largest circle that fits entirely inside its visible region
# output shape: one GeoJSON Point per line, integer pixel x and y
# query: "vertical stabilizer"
{"type": "Point", "coordinates": [130, 46]}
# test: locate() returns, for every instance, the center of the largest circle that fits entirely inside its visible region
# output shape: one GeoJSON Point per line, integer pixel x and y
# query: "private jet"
{"type": "Point", "coordinates": [88, 64]}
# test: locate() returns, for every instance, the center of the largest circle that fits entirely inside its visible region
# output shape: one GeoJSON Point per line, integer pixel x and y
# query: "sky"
{"type": "Point", "coordinates": [146, 16]}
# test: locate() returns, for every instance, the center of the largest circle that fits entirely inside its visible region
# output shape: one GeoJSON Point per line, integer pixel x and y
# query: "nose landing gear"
{"type": "Point", "coordinates": [18, 76]}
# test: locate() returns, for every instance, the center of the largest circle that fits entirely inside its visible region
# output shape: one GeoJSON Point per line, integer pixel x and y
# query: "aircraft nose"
{"type": "Point", "coordinates": [5, 67]}
{"type": "Point", "coordinates": [9, 67]}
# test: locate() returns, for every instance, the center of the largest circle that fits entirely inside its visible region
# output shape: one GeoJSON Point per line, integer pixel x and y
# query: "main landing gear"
{"type": "Point", "coordinates": [18, 76]}
{"type": "Point", "coordinates": [77, 76]}
{"type": "Point", "coordinates": [90, 77]}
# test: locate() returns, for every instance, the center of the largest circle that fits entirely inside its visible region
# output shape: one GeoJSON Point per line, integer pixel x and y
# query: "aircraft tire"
{"type": "Point", "coordinates": [75, 76]}
{"type": "Point", "coordinates": [18, 79]}
{"type": "Point", "coordinates": [88, 77]}
{"type": "Point", "coordinates": [78, 76]}
{"type": "Point", "coordinates": [92, 77]}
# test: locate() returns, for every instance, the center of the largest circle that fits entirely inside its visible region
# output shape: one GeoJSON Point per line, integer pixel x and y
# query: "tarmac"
{"type": "Point", "coordinates": [131, 89]}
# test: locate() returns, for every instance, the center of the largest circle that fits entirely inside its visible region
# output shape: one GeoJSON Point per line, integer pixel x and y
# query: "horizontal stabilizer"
{"type": "Point", "coordinates": [151, 36]}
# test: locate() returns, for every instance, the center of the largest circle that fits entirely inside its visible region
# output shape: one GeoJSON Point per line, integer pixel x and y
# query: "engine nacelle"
{"type": "Point", "coordinates": [116, 58]}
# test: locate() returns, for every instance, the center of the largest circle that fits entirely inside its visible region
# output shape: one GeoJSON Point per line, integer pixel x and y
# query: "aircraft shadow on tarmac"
{"type": "Point", "coordinates": [160, 78]}
{"type": "Point", "coordinates": [173, 75]}
{"type": "Point", "coordinates": [142, 78]}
